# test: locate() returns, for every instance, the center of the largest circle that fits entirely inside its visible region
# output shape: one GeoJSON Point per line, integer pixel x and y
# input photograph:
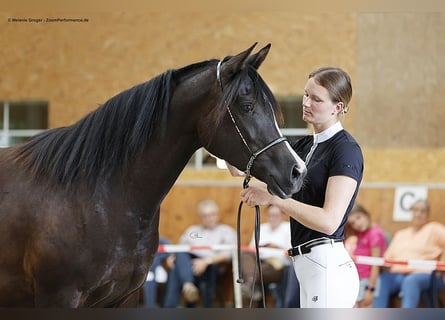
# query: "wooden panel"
{"type": "Point", "coordinates": [178, 209]}
{"type": "Point", "coordinates": [400, 74]}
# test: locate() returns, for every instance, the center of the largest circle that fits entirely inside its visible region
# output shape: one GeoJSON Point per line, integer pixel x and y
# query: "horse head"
{"type": "Point", "coordinates": [246, 132]}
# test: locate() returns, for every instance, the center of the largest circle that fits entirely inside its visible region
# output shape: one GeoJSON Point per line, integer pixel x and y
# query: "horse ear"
{"type": "Point", "coordinates": [233, 64]}
{"type": "Point", "coordinates": [257, 59]}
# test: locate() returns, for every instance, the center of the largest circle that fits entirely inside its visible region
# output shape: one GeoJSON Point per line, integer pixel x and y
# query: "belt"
{"type": "Point", "coordinates": [306, 248]}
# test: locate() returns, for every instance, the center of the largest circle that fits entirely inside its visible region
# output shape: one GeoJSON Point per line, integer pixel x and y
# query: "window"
{"type": "Point", "coordinates": [21, 119]}
{"type": "Point", "coordinates": [294, 127]}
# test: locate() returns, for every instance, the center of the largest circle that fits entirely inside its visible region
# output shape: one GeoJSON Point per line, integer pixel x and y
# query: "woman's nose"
{"type": "Point", "coordinates": [306, 101]}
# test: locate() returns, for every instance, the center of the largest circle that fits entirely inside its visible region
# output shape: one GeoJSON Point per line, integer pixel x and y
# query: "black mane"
{"type": "Point", "coordinates": [104, 140]}
{"type": "Point", "coordinates": [110, 137]}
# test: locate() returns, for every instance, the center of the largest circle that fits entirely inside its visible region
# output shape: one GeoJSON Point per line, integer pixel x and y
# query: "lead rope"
{"type": "Point", "coordinates": [240, 279]}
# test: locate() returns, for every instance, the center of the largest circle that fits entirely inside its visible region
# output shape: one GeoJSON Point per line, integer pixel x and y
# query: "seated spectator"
{"type": "Point", "coordinates": [151, 284]}
{"type": "Point", "coordinates": [423, 240]}
{"type": "Point", "coordinates": [195, 273]}
{"type": "Point", "coordinates": [370, 241]}
{"type": "Point", "coordinates": [274, 234]}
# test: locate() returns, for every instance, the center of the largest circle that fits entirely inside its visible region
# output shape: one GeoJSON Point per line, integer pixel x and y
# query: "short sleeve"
{"type": "Point", "coordinates": [347, 161]}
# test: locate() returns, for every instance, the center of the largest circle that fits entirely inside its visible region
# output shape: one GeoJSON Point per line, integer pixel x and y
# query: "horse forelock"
{"type": "Point", "coordinates": [102, 142]}
{"type": "Point", "coordinates": [267, 97]}
{"type": "Point", "coordinates": [231, 91]}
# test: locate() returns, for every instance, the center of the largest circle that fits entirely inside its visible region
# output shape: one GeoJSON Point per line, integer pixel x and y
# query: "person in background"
{"type": "Point", "coordinates": [292, 292]}
{"type": "Point", "coordinates": [151, 284]}
{"type": "Point", "coordinates": [423, 240]}
{"type": "Point", "coordinates": [273, 243]}
{"type": "Point", "coordinates": [370, 241]}
{"type": "Point", "coordinates": [195, 273]}
{"type": "Point", "coordinates": [327, 276]}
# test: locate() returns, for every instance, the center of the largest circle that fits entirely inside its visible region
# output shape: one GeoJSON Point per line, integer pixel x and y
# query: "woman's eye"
{"type": "Point", "coordinates": [247, 107]}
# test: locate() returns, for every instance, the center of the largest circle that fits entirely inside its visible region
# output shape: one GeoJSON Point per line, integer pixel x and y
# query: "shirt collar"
{"type": "Point", "coordinates": [328, 133]}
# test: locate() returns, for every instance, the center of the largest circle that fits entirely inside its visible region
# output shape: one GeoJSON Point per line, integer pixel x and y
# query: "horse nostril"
{"type": "Point", "coordinates": [295, 171]}
{"type": "Point", "coordinates": [298, 170]}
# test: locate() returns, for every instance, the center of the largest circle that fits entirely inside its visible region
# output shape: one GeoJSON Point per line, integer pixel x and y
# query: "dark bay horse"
{"type": "Point", "coordinates": [79, 205]}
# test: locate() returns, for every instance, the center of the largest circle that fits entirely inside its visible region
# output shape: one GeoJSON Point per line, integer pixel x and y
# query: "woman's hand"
{"type": "Point", "coordinates": [199, 266]}
{"type": "Point", "coordinates": [368, 299]}
{"type": "Point", "coordinates": [256, 196]}
{"type": "Point", "coordinates": [234, 171]}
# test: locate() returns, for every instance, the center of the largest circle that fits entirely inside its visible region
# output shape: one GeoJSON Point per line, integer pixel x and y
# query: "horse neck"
{"type": "Point", "coordinates": [158, 167]}
{"type": "Point", "coordinates": [175, 141]}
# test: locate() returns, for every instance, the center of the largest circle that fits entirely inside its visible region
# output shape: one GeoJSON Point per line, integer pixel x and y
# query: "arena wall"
{"type": "Point", "coordinates": [395, 61]}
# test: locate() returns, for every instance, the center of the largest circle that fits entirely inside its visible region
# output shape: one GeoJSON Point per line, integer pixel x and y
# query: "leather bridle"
{"type": "Point", "coordinates": [253, 156]}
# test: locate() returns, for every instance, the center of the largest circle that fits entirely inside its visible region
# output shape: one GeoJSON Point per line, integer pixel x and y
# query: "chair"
{"type": "Point", "coordinates": [432, 297]}
{"type": "Point", "coordinates": [278, 289]}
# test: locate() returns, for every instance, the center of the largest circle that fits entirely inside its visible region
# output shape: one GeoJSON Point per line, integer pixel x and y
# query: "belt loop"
{"type": "Point", "coordinates": [299, 250]}
{"type": "Point", "coordinates": [332, 242]}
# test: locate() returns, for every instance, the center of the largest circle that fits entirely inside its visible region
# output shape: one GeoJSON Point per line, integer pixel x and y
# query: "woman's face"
{"type": "Point", "coordinates": [274, 216]}
{"type": "Point", "coordinates": [358, 221]}
{"type": "Point", "coordinates": [318, 108]}
{"type": "Point", "coordinates": [420, 214]}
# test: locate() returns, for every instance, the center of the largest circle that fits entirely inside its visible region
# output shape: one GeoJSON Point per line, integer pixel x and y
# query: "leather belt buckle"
{"type": "Point", "coordinates": [306, 248]}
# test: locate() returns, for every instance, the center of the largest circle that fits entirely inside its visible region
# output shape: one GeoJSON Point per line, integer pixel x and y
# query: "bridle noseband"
{"type": "Point", "coordinates": [253, 156]}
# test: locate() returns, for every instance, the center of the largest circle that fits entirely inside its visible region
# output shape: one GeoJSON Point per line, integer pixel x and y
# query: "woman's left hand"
{"type": "Point", "coordinates": [256, 196]}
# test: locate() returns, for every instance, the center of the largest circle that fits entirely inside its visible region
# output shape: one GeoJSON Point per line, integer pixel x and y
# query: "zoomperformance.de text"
{"type": "Point", "coordinates": [46, 20]}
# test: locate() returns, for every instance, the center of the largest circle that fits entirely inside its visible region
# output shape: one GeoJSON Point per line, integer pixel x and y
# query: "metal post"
{"type": "Point", "coordinates": [236, 286]}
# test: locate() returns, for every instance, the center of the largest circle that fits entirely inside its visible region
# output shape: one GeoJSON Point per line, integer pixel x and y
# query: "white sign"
{"type": "Point", "coordinates": [404, 197]}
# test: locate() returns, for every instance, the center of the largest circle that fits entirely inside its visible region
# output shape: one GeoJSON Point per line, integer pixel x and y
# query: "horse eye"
{"type": "Point", "coordinates": [248, 107]}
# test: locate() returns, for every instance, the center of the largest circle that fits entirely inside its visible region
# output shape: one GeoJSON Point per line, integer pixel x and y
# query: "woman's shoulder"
{"type": "Point", "coordinates": [345, 144]}
{"type": "Point", "coordinates": [344, 150]}
{"type": "Point", "coordinates": [377, 231]}
{"type": "Point", "coordinates": [436, 226]}
{"type": "Point", "coordinates": [376, 228]}
{"type": "Point", "coordinates": [344, 137]}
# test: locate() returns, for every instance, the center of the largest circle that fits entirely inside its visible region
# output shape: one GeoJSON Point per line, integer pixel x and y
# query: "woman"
{"type": "Point", "coordinates": [370, 241]}
{"type": "Point", "coordinates": [423, 240]}
{"type": "Point", "coordinates": [319, 211]}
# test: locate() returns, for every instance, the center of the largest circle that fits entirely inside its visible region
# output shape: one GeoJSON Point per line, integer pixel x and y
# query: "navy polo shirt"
{"type": "Point", "coordinates": [339, 155]}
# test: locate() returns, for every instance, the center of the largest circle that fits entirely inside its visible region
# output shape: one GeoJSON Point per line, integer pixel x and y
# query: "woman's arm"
{"type": "Point", "coordinates": [375, 270]}
{"type": "Point", "coordinates": [338, 195]}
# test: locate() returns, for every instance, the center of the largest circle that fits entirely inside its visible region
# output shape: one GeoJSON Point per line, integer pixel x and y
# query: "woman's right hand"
{"type": "Point", "coordinates": [256, 196]}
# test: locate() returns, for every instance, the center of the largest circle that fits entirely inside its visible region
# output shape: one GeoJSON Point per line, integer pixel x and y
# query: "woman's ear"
{"type": "Point", "coordinates": [339, 107]}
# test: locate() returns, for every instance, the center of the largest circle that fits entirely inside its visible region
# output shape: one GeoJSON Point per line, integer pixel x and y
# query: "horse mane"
{"type": "Point", "coordinates": [106, 139]}
{"type": "Point", "coordinates": [112, 136]}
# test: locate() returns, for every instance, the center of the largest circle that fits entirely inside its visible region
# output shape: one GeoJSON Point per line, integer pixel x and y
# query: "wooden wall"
{"type": "Point", "coordinates": [178, 210]}
{"type": "Point", "coordinates": [395, 61]}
